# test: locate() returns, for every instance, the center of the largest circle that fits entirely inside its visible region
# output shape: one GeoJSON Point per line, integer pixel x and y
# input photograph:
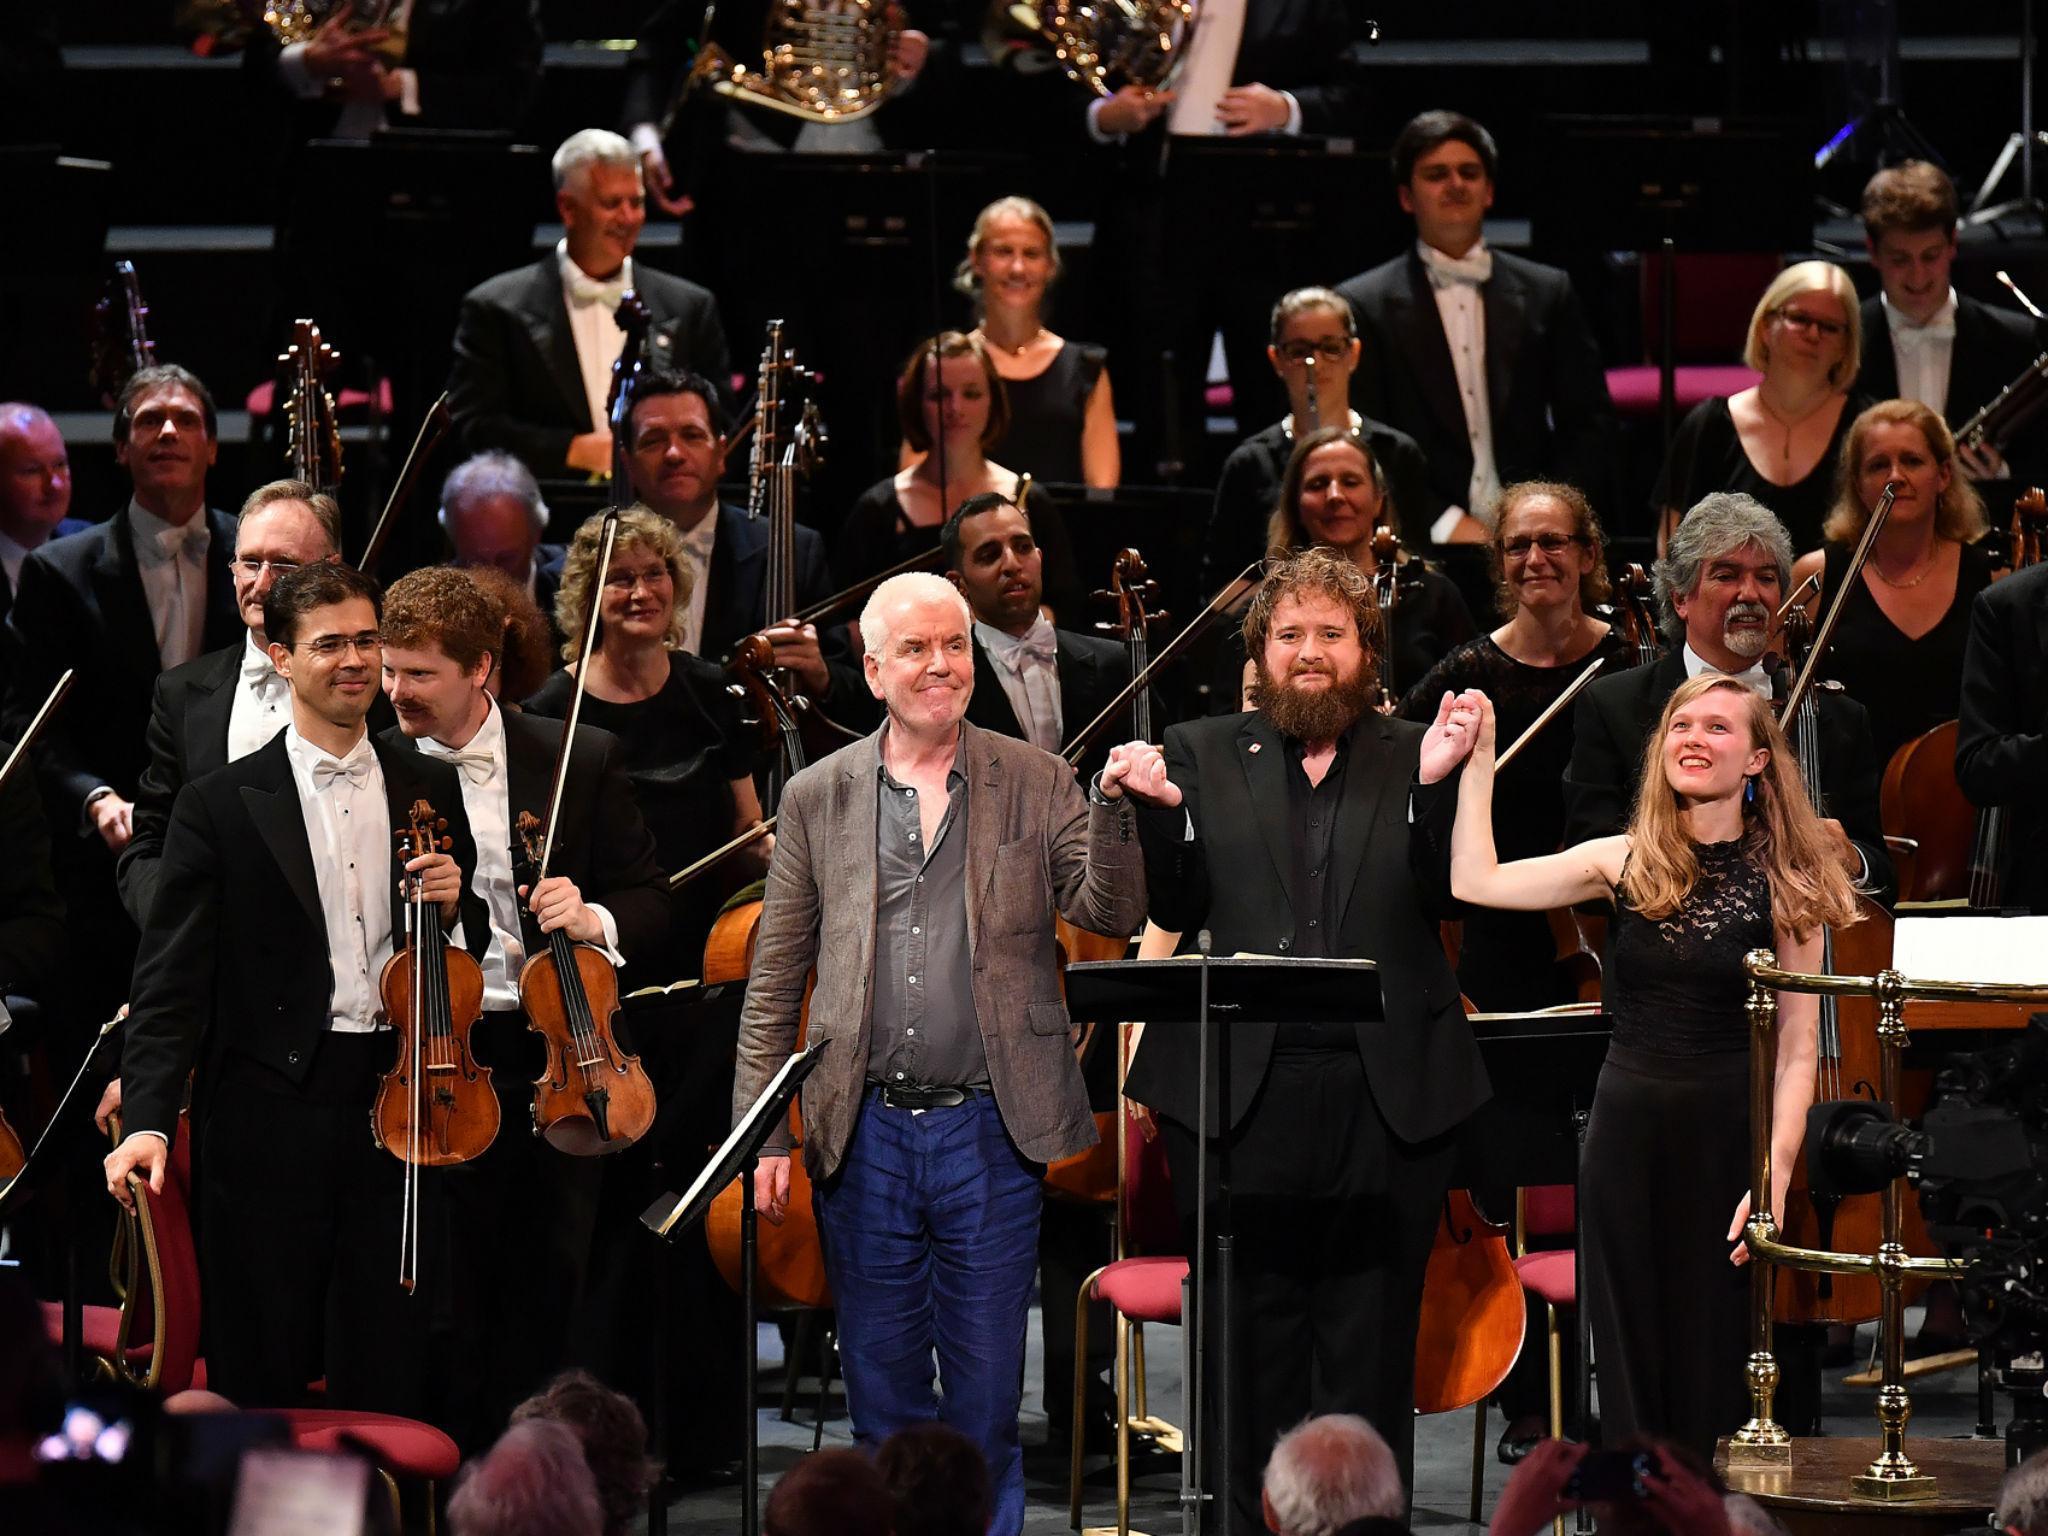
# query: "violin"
{"type": "Point", "coordinates": [436, 1106]}
{"type": "Point", "coordinates": [121, 347]}
{"type": "Point", "coordinates": [312, 429]}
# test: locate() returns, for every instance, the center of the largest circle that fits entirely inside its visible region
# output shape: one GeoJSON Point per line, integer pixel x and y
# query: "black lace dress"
{"type": "Point", "coordinates": [1667, 1159]}
{"type": "Point", "coordinates": [1507, 960]}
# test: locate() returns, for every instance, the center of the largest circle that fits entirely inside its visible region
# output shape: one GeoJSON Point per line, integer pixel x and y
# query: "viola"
{"type": "Point", "coordinates": [591, 1097]}
{"type": "Point", "coordinates": [436, 1106]}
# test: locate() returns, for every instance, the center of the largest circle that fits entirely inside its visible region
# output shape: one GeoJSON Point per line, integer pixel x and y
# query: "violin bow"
{"type": "Point", "coordinates": [35, 726]}
{"type": "Point", "coordinates": [424, 442]}
{"type": "Point", "coordinates": [724, 851]}
{"type": "Point", "coordinates": [1829, 619]}
{"type": "Point", "coordinates": [1551, 712]}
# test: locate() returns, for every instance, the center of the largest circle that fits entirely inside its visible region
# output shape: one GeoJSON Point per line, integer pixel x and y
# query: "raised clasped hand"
{"type": "Point", "coordinates": [1138, 768]}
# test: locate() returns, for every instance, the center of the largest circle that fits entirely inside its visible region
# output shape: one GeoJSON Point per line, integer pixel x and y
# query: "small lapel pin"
{"type": "Point", "coordinates": [1253, 747]}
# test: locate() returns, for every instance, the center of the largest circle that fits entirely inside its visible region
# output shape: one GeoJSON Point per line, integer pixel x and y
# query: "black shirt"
{"type": "Point", "coordinates": [1311, 831]}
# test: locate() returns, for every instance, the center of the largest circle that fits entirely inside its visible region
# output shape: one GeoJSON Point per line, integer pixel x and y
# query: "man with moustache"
{"type": "Point", "coordinates": [535, 346]}
{"type": "Point", "coordinates": [917, 871]}
{"type": "Point", "coordinates": [35, 490]}
{"type": "Point", "coordinates": [521, 1215]}
{"type": "Point", "coordinates": [1720, 585]}
{"type": "Point", "coordinates": [278, 906]}
{"type": "Point", "coordinates": [678, 448]}
{"type": "Point", "coordinates": [220, 707]}
{"type": "Point", "coordinates": [1312, 828]}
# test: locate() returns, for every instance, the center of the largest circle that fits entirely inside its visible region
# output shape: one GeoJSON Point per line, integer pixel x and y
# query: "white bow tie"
{"type": "Point", "coordinates": [355, 769]}
{"type": "Point", "coordinates": [1924, 335]}
{"type": "Point", "coordinates": [1475, 267]}
{"type": "Point", "coordinates": [1037, 642]}
{"type": "Point", "coordinates": [474, 764]}
{"type": "Point", "coordinates": [170, 543]}
{"type": "Point", "coordinates": [585, 289]}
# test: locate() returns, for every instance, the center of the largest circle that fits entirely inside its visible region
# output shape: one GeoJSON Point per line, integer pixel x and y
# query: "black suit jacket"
{"type": "Point", "coordinates": [1546, 390]}
{"type": "Point", "coordinates": [2002, 729]}
{"type": "Point", "coordinates": [187, 737]}
{"type": "Point", "coordinates": [602, 845]}
{"type": "Point", "coordinates": [235, 957]}
{"type": "Point", "coordinates": [1611, 726]}
{"type": "Point", "coordinates": [81, 605]}
{"type": "Point", "coordinates": [31, 914]}
{"type": "Point", "coordinates": [736, 606]}
{"type": "Point", "coordinates": [1234, 879]}
{"type": "Point", "coordinates": [1091, 671]}
{"type": "Point", "coordinates": [69, 525]}
{"type": "Point", "coordinates": [1993, 347]}
{"type": "Point", "coordinates": [516, 385]}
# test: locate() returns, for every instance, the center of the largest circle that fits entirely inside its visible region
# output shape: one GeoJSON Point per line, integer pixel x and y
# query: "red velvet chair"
{"type": "Point", "coordinates": [1142, 1285]}
{"type": "Point", "coordinates": [1552, 1276]}
{"type": "Point", "coordinates": [164, 1300]}
{"type": "Point", "coordinates": [1716, 292]}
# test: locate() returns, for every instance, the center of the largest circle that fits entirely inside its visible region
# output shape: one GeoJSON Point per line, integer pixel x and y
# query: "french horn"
{"type": "Point", "coordinates": [826, 61]}
{"type": "Point", "coordinates": [1102, 44]}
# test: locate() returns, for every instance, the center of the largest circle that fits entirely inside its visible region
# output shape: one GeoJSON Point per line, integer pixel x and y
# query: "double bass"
{"type": "Point", "coordinates": [436, 1106]}
{"type": "Point", "coordinates": [121, 347]}
{"type": "Point", "coordinates": [312, 429]}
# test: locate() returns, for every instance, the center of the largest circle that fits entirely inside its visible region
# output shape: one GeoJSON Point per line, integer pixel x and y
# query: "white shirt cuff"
{"type": "Point", "coordinates": [1293, 125]}
{"type": "Point", "coordinates": [1440, 530]}
{"type": "Point", "coordinates": [1094, 129]}
{"type": "Point", "coordinates": [611, 933]}
{"type": "Point", "coordinates": [86, 828]}
{"type": "Point", "coordinates": [408, 91]}
{"type": "Point", "coordinates": [297, 75]}
{"type": "Point", "coordinates": [645, 139]}
{"type": "Point", "coordinates": [159, 1135]}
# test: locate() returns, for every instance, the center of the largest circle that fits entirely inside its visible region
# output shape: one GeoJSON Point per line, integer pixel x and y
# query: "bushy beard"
{"type": "Point", "coordinates": [1321, 714]}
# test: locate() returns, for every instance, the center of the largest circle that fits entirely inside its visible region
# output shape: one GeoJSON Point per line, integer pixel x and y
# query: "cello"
{"type": "Point", "coordinates": [1960, 848]}
{"type": "Point", "coordinates": [436, 1106]}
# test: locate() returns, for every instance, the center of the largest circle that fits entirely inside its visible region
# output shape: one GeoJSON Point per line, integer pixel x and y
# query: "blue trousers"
{"type": "Point", "coordinates": [930, 1231]}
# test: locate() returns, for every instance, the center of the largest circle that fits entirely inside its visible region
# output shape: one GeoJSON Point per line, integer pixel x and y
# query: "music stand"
{"type": "Point", "coordinates": [673, 1214]}
{"type": "Point", "coordinates": [1203, 991]}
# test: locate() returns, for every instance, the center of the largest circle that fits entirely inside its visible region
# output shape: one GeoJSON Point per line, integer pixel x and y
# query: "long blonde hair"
{"type": "Point", "coordinates": [1780, 830]}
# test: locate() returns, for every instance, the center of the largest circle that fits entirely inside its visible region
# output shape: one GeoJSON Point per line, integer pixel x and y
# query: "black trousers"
{"type": "Point", "coordinates": [1667, 1159]}
{"type": "Point", "coordinates": [299, 1237]}
{"type": "Point", "coordinates": [1334, 1217]}
{"type": "Point", "coordinates": [518, 1234]}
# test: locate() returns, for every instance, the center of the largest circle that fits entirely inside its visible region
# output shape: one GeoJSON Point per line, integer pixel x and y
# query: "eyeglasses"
{"type": "Point", "coordinates": [327, 647]}
{"type": "Point", "coordinates": [1330, 349]}
{"type": "Point", "coordinates": [1800, 320]}
{"type": "Point", "coordinates": [626, 581]}
{"type": "Point", "coordinates": [1552, 544]}
{"type": "Point", "coordinates": [253, 568]}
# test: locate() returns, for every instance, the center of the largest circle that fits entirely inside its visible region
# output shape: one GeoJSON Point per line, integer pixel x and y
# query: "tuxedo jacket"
{"type": "Point", "coordinates": [603, 845]}
{"type": "Point", "coordinates": [1091, 672]}
{"type": "Point", "coordinates": [234, 960]}
{"type": "Point", "coordinates": [187, 737]}
{"type": "Point", "coordinates": [1545, 388]}
{"type": "Point", "coordinates": [69, 525]}
{"type": "Point", "coordinates": [1993, 347]}
{"type": "Point", "coordinates": [736, 606]}
{"type": "Point", "coordinates": [1611, 726]}
{"type": "Point", "coordinates": [516, 384]}
{"type": "Point", "coordinates": [1234, 878]}
{"type": "Point", "coordinates": [81, 605]}
{"type": "Point", "coordinates": [2002, 732]}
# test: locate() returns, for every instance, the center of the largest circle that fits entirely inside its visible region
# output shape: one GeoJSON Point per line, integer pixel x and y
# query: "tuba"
{"type": "Point", "coordinates": [1102, 44]}
{"type": "Point", "coordinates": [825, 61]}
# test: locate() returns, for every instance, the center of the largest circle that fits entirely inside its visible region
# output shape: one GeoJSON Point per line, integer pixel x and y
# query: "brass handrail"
{"type": "Point", "coordinates": [1762, 1443]}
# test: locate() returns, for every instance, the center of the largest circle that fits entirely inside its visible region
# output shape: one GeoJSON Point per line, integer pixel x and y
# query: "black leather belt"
{"type": "Point", "coordinates": [916, 1096]}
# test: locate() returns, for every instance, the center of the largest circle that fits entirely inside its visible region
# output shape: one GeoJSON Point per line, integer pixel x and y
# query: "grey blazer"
{"type": "Point", "coordinates": [1033, 843]}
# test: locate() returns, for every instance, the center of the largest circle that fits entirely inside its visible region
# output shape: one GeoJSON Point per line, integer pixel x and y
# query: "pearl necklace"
{"type": "Point", "coordinates": [1002, 346]}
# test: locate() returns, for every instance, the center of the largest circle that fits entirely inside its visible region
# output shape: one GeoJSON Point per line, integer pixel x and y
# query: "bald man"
{"type": "Point", "coordinates": [35, 490]}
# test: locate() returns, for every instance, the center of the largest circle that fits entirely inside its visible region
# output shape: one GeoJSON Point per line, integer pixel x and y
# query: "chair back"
{"type": "Point", "coordinates": [1151, 1222]}
{"type": "Point", "coordinates": [162, 1300]}
{"type": "Point", "coordinates": [1549, 1210]}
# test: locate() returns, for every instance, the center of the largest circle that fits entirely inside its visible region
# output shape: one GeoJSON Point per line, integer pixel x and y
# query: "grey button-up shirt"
{"type": "Point", "coordinates": [925, 1031]}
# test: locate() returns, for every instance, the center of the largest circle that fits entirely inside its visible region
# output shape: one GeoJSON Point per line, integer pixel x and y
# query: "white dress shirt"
{"type": "Point", "coordinates": [172, 563]}
{"type": "Point", "coordinates": [487, 800]}
{"type": "Point", "coordinates": [1027, 666]}
{"type": "Point", "coordinates": [262, 704]}
{"type": "Point", "coordinates": [593, 323]}
{"type": "Point", "coordinates": [348, 825]}
{"type": "Point", "coordinates": [697, 545]}
{"type": "Point", "coordinates": [1924, 352]}
{"type": "Point", "coordinates": [1753, 677]}
{"type": "Point", "coordinates": [1457, 282]}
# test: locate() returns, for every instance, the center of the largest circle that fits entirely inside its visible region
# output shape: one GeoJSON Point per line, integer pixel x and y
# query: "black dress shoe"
{"type": "Point", "coordinates": [1518, 1440]}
